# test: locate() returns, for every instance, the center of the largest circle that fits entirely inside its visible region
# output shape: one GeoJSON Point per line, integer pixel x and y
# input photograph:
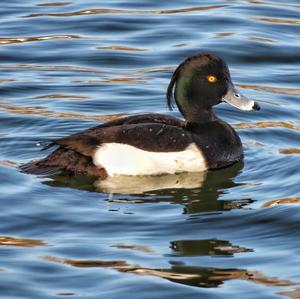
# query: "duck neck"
{"type": "Point", "coordinates": [199, 117]}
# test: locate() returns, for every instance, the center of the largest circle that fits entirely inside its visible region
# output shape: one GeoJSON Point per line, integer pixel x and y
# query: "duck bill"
{"type": "Point", "coordinates": [238, 100]}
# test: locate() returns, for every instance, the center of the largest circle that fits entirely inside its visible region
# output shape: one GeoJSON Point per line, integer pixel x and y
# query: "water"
{"type": "Point", "coordinates": [67, 66]}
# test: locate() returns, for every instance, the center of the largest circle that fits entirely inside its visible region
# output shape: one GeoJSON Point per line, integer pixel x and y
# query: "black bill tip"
{"type": "Point", "coordinates": [256, 107]}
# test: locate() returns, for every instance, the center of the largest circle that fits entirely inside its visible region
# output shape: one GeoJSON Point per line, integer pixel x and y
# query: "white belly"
{"type": "Point", "coordinates": [124, 159]}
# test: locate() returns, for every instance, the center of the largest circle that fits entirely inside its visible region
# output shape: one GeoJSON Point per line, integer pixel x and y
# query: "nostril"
{"type": "Point", "coordinates": [237, 95]}
{"type": "Point", "coordinates": [256, 107]}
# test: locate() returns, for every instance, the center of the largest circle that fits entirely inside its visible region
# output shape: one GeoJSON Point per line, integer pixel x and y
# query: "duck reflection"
{"type": "Point", "coordinates": [178, 271]}
{"type": "Point", "coordinates": [197, 192]}
{"type": "Point", "coordinates": [211, 247]}
{"type": "Point", "coordinates": [148, 184]}
{"type": "Point", "coordinates": [210, 277]}
{"type": "Point", "coordinates": [205, 277]}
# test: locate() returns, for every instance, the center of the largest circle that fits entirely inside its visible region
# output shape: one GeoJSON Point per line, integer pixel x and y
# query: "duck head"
{"type": "Point", "coordinates": [201, 82]}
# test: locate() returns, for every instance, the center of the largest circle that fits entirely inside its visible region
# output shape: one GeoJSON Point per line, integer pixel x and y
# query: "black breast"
{"type": "Point", "coordinates": [219, 143]}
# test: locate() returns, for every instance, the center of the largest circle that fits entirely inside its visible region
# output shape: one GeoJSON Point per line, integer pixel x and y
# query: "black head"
{"type": "Point", "coordinates": [201, 82]}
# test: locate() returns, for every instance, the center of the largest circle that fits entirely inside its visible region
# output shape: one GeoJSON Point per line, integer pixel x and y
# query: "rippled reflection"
{"type": "Point", "coordinates": [290, 151]}
{"type": "Point", "coordinates": [54, 4]}
{"type": "Point", "coordinates": [207, 277]}
{"type": "Point", "coordinates": [272, 89]}
{"type": "Point", "coordinates": [281, 201]}
{"type": "Point", "coordinates": [261, 39]}
{"type": "Point", "coordinates": [197, 192]}
{"type": "Point", "coordinates": [268, 3]}
{"type": "Point", "coordinates": [35, 38]}
{"type": "Point", "coordinates": [41, 111]}
{"type": "Point", "coordinates": [62, 96]}
{"type": "Point", "coordinates": [122, 48]}
{"type": "Point", "coordinates": [211, 247]}
{"type": "Point", "coordinates": [124, 11]}
{"type": "Point", "coordinates": [124, 80]}
{"type": "Point", "coordinates": [10, 241]}
{"type": "Point", "coordinates": [141, 248]}
{"type": "Point", "coordinates": [142, 184]}
{"type": "Point", "coordinates": [280, 21]}
{"type": "Point", "coordinates": [268, 124]}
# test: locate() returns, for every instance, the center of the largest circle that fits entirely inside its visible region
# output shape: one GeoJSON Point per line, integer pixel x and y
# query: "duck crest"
{"type": "Point", "coordinates": [197, 84]}
{"type": "Point", "coordinates": [195, 61]}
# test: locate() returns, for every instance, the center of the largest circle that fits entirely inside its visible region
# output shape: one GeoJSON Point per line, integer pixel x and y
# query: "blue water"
{"type": "Point", "coordinates": [66, 66]}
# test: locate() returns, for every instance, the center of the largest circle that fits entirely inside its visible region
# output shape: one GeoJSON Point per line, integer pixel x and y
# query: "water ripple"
{"type": "Point", "coordinates": [14, 40]}
{"type": "Point", "coordinates": [66, 66]}
{"type": "Point", "coordinates": [125, 11]}
{"type": "Point", "coordinates": [10, 241]}
{"type": "Point", "coordinates": [188, 275]}
{"type": "Point", "coordinates": [40, 111]}
{"type": "Point", "coordinates": [279, 21]}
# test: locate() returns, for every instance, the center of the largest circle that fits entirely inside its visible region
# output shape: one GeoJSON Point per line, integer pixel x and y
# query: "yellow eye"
{"type": "Point", "coordinates": [212, 79]}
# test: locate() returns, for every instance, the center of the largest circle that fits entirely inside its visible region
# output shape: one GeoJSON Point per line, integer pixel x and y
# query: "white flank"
{"type": "Point", "coordinates": [124, 159]}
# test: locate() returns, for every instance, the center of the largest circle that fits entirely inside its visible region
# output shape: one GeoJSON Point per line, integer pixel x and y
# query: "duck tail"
{"type": "Point", "coordinates": [39, 167]}
{"type": "Point", "coordinates": [63, 160]}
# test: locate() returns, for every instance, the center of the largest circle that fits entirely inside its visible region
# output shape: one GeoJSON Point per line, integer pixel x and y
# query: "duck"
{"type": "Point", "coordinates": [158, 144]}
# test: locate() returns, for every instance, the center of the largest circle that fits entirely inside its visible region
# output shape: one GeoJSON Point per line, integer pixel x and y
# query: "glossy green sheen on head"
{"type": "Point", "coordinates": [192, 87]}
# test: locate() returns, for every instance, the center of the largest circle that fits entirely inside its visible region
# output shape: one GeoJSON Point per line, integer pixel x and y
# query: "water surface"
{"type": "Point", "coordinates": [69, 65]}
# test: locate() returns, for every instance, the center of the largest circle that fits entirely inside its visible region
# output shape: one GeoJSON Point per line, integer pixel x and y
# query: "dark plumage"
{"type": "Point", "coordinates": [198, 83]}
